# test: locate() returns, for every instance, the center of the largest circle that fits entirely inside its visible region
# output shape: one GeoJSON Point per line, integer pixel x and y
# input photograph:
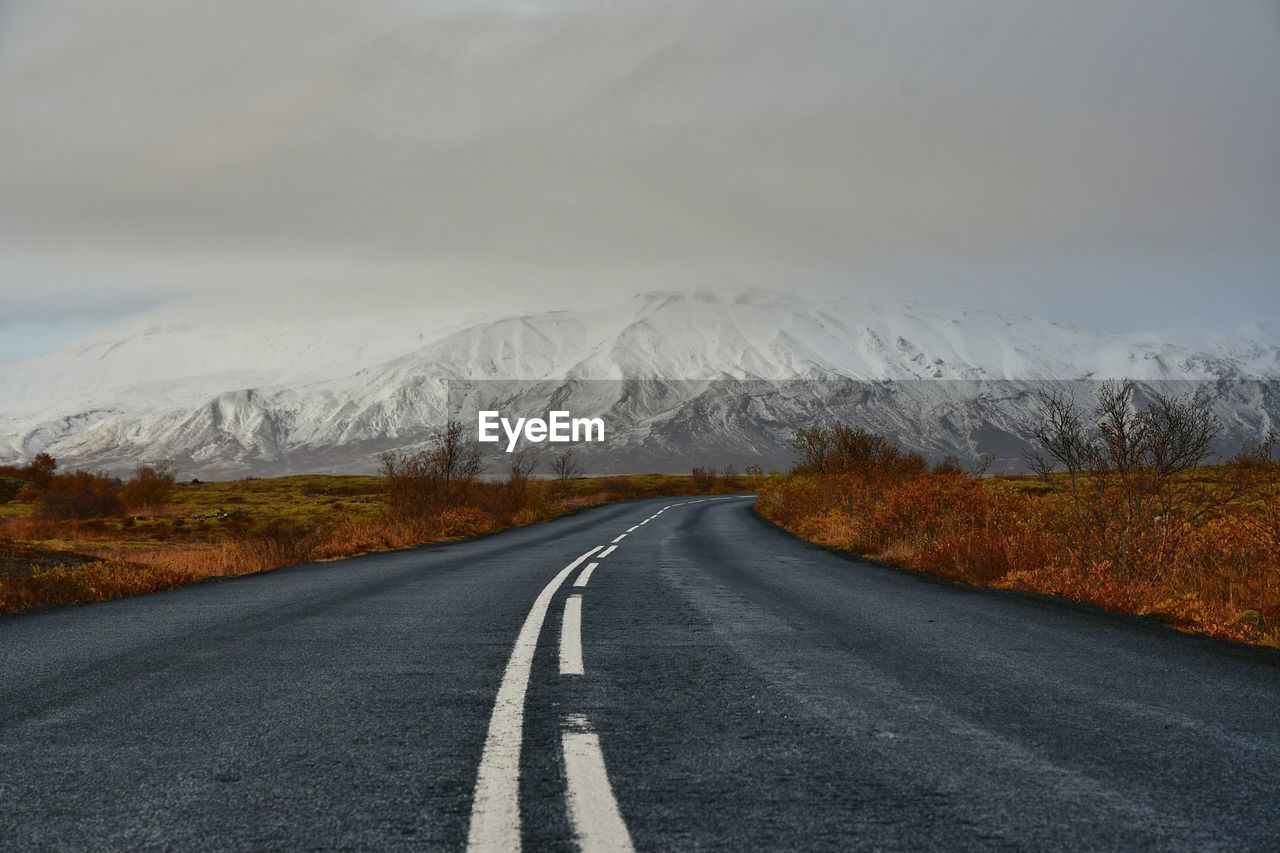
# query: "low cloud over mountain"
{"type": "Point", "coordinates": [698, 376]}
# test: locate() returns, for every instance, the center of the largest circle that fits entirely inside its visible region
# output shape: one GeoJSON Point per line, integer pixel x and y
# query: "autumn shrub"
{"type": "Point", "coordinates": [75, 584]}
{"type": "Point", "coordinates": [704, 479]}
{"type": "Point", "coordinates": [565, 468]}
{"type": "Point", "coordinates": [1135, 523]}
{"type": "Point", "coordinates": [619, 488]}
{"type": "Point", "coordinates": [848, 450]}
{"type": "Point", "coordinates": [276, 542]}
{"type": "Point", "coordinates": [1255, 475]}
{"type": "Point", "coordinates": [424, 482]}
{"type": "Point", "coordinates": [37, 473]}
{"type": "Point", "coordinates": [1127, 471]}
{"type": "Point", "coordinates": [150, 488]}
{"type": "Point", "coordinates": [463, 521]}
{"type": "Point", "coordinates": [369, 535]}
{"type": "Point", "coordinates": [80, 494]}
{"type": "Point", "coordinates": [223, 529]}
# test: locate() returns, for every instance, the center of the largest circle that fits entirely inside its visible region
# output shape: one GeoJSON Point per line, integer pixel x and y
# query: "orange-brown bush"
{"type": "Point", "coordinates": [1202, 549]}
{"type": "Point", "coordinates": [853, 451]}
{"type": "Point", "coordinates": [76, 584]}
{"type": "Point", "coordinates": [37, 472]}
{"type": "Point", "coordinates": [219, 529]}
{"type": "Point", "coordinates": [704, 479]}
{"type": "Point", "coordinates": [150, 487]}
{"type": "Point", "coordinates": [426, 482]}
{"type": "Point", "coordinates": [80, 494]}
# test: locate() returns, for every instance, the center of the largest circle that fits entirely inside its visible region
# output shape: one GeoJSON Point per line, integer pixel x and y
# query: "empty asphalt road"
{"type": "Point", "coordinates": [678, 678]}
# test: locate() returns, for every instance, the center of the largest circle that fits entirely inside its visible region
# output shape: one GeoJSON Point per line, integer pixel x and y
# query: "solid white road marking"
{"type": "Point", "coordinates": [586, 574]}
{"type": "Point", "coordinates": [571, 637]}
{"type": "Point", "coordinates": [597, 823]}
{"type": "Point", "coordinates": [620, 538]}
{"type": "Point", "coordinates": [495, 805]}
{"type": "Point", "coordinates": [607, 551]}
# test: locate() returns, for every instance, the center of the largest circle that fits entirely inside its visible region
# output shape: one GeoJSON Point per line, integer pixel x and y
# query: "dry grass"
{"type": "Point", "coordinates": [1214, 570]}
{"type": "Point", "coordinates": [232, 528]}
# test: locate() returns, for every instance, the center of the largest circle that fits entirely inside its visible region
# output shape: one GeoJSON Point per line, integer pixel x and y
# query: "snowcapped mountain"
{"type": "Point", "coordinates": [679, 376]}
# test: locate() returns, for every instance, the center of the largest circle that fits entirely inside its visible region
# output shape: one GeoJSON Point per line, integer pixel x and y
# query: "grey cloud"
{"type": "Point", "coordinates": [949, 149]}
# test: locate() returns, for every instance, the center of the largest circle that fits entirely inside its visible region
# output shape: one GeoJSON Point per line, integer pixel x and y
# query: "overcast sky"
{"type": "Point", "coordinates": [1112, 163]}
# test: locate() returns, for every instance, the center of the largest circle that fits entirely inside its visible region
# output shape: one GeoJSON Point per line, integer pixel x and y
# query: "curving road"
{"type": "Point", "coordinates": [711, 684]}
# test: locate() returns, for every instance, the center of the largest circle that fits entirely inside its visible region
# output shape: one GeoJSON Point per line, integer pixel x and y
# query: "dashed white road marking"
{"type": "Point", "coordinates": [593, 811]}
{"type": "Point", "coordinates": [571, 637]}
{"type": "Point", "coordinates": [620, 538]}
{"type": "Point", "coordinates": [633, 528]}
{"type": "Point", "coordinates": [586, 574]}
{"type": "Point", "coordinates": [495, 805]}
{"type": "Point", "coordinates": [643, 523]}
{"type": "Point", "coordinates": [607, 551]}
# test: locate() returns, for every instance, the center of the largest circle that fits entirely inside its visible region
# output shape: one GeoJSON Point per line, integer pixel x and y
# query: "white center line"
{"type": "Point", "coordinates": [607, 551]}
{"type": "Point", "coordinates": [571, 637]}
{"type": "Point", "coordinates": [495, 805]}
{"type": "Point", "coordinates": [597, 823]}
{"type": "Point", "coordinates": [620, 538]}
{"type": "Point", "coordinates": [586, 574]}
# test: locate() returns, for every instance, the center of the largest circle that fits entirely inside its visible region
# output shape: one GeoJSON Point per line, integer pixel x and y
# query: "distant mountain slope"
{"type": "Point", "coordinates": [699, 375]}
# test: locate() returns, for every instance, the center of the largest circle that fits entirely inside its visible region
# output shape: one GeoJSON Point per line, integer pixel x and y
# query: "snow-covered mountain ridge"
{"type": "Point", "coordinates": [222, 396]}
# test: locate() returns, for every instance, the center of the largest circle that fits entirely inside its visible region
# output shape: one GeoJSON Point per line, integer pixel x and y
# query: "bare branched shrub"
{"type": "Point", "coordinates": [951, 464]}
{"type": "Point", "coordinates": [522, 466]}
{"type": "Point", "coordinates": [850, 450]}
{"type": "Point", "coordinates": [729, 478]}
{"type": "Point", "coordinates": [565, 467]}
{"type": "Point", "coordinates": [813, 446]}
{"type": "Point", "coordinates": [514, 492]}
{"type": "Point", "coordinates": [1127, 469]}
{"type": "Point", "coordinates": [425, 482]}
{"type": "Point", "coordinates": [704, 479]}
{"type": "Point", "coordinates": [150, 488]}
